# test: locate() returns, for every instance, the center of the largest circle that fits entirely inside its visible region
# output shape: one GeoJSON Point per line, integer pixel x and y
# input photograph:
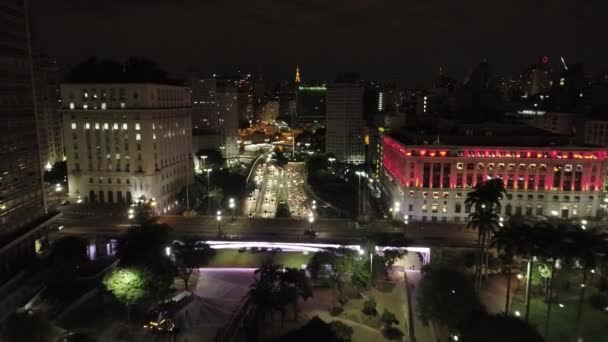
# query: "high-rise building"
{"type": "Point", "coordinates": [345, 120]}
{"type": "Point", "coordinates": [204, 109]}
{"type": "Point", "coordinates": [48, 117]}
{"type": "Point", "coordinates": [310, 104]}
{"type": "Point", "coordinates": [226, 99]}
{"type": "Point", "coordinates": [21, 196]}
{"type": "Point", "coordinates": [126, 142]}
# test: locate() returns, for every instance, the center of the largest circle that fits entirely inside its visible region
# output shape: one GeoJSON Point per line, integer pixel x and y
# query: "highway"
{"type": "Point", "coordinates": [330, 230]}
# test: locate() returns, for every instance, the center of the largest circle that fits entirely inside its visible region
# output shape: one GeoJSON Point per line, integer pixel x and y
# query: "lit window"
{"type": "Point", "coordinates": [117, 155]}
{"type": "Point", "coordinates": [125, 126]}
{"type": "Point", "coordinates": [86, 95]}
{"type": "Point", "coordinates": [153, 125]}
{"type": "Point", "coordinates": [73, 125]}
{"type": "Point", "coordinates": [106, 126]}
{"type": "Point", "coordinates": [459, 166]}
{"type": "Point", "coordinates": [137, 126]}
{"type": "Point", "coordinates": [103, 105]}
{"type": "Point", "coordinates": [85, 106]}
{"type": "Point", "coordinates": [122, 105]}
{"type": "Point", "coordinates": [96, 125]}
{"type": "Point", "coordinates": [153, 136]}
{"type": "Point", "coordinates": [87, 125]}
{"type": "Point", "coordinates": [137, 136]}
{"type": "Point", "coordinates": [72, 105]}
{"type": "Point", "coordinates": [115, 125]}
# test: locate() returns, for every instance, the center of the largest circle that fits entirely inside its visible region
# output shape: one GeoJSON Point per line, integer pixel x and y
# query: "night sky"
{"type": "Point", "coordinates": [379, 38]}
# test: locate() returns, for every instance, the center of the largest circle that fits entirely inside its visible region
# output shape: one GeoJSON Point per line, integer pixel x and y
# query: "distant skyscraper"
{"type": "Point", "coordinates": [310, 104]}
{"type": "Point", "coordinates": [226, 98]}
{"type": "Point", "coordinates": [345, 120]}
{"type": "Point", "coordinates": [21, 198]}
{"type": "Point", "coordinates": [204, 109]}
{"type": "Point", "coordinates": [127, 141]}
{"type": "Point", "coordinates": [50, 130]}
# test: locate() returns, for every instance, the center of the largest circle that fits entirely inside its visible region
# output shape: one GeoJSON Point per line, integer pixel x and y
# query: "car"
{"type": "Point", "coordinates": [242, 249]}
{"type": "Point", "coordinates": [254, 249]}
{"type": "Point", "coordinates": [276, 250]}
{"type": "Point", "coordinates": [264, 249]}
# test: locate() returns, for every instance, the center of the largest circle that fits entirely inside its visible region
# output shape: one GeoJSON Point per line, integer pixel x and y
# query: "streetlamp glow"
{"type": "Point", "coordinates": [554, 212]}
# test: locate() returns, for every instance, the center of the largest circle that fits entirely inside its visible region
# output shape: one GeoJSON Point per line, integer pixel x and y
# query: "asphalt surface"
{"type": "Point", "coordinates": [329, 230]}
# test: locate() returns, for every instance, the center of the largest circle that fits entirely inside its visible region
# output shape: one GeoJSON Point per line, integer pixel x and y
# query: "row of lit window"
{"type": "Point", "coordinates": [106, 125]}
{"type": "Point", "coordinates": [108, 180]}
{"type": "Point", "coordinates": [94, 106]}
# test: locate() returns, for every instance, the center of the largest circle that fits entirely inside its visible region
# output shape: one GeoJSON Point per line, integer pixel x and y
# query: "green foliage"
{"type": "Point", "coordinates": [388, 318]}
{"type": "Point", "coordinates": [283, 210]}
{"type": "Point", "coordinates": [189, 258]}
{"type": "Point", "coordinates": [447, 296]}
{"type": "Point", "coordinates": [72, 249]}
{"type": "Point", "coordinates": [599, 301]}
{"type": "Point", "coordinates": [343, 332]}
{"type": "Point", "coordinates": [342, 299]}
{"type": "Point", "coordinates": [498, 328]}
{"type": "Point", "coordinates": [280, 158]}
{"type": "Point", "coordinates": [21, 327]}
{"type": "Point", "coordinates": [231, 183]}
{"type": "Point", "coordinates": [318, 261]}
{"type": "Point", "coordinates": [144, 248]}
{"type": "Point", "coordinates": [214, 157]}
{"type": "Point", "coordinates": [392, 255]}
{"type": "Point", "coordinates": [129, 285]}
{"type": "Point", "coordinates": [369, 307]}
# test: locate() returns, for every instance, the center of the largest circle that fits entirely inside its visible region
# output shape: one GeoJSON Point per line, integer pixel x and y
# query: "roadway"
{"type": "Point", "coordinates": [330, 230]}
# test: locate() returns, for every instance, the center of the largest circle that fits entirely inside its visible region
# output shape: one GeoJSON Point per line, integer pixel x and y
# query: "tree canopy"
{"type": "Point", "coordinates": [129, 285]}
{"type": "Point", "coordinates": [499, 328]}
{"type": "Point", "coordinates": [447, 296]}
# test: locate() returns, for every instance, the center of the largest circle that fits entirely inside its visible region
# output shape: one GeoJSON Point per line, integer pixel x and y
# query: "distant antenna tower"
{"type": "Point", "coordinates": [297, 75]}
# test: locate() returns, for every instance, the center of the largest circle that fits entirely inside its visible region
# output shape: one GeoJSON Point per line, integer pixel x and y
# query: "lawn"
{"type": "Point", "coordinates": [563, 320]}
{"type": "Point", "coordinates": [232, 258]}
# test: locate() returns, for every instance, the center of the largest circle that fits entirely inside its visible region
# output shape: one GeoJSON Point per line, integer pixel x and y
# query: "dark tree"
{"type": "Point", "coordinates": [214, 157]}
{"type": "Point", "coordinates": [499, 328]}
{"type": "Point", "coordinates": [21, 327]}
{"type": "Point", "coordinates": [189, 258]}
{"type": "Point", "coordinates": [446, 296]}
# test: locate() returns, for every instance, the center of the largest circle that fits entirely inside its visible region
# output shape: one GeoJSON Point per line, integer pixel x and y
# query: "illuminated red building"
{"type": "Point", "coordinates": [430, 182]}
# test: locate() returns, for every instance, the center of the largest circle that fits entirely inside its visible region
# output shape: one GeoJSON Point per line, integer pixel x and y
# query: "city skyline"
{"type": "Point", "coordinates": [381, 39]}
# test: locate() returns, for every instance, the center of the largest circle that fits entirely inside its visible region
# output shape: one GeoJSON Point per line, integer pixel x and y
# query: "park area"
{"type": "Point", "coordinates": [220, 290]}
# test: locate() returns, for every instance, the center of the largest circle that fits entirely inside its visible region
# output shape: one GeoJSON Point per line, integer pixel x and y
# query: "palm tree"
{"type": "Point", "coordinates": [509, 241]}
{"type": "Point", "coordinates": [588, 246]}
{"type": "Point", "coordinates": [484, 200]}
{"type": "Point", "coordinates": [555, 246]}
{"type": "Point", "coordinates": [486, 223]}
{"type": "Point", "coordinates": [530, 243]}
{"type": "Point", "coordinates": [262, 291]}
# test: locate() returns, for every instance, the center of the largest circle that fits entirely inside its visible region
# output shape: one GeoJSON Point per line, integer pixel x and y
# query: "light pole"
{"type": "Point", "coordinates": [232, 207]}
{"type": "Point", "coordinates": [359, 173]}
{"type": "Point", "coordinates": [208, 171]}
{"type": "Point", "coordinates": [331, 163]}
{"type": "Point", "coordinates": [218, 218]}
{"type": "Point", "coordinates": [58, 190]}
{"type": "Point", "coordinates": [396, 209]}
{"type": "Point", "coordinates": [311, 220]}
{"type": "Point", "coordinates": [203, 158]}
{"type": "Point", "coordinates": [293, 146]}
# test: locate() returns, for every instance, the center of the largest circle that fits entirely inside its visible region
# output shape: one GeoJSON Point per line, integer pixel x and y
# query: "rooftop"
{"type": "Point", "coordinates": [461, 133]}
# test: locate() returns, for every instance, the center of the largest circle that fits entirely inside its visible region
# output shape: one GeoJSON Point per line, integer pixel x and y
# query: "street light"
{"type": "Point", "coordinates": [219, 223]}
{"type": "Point", "coordinates": [58, 189]}
{"type": "Point", "coordinates": [203, 158]}
{"type": "Point", "coordinates": [397, 208]}
{"type": "Point", "coordinates": [231, 205]}
{"type": "Point", "coordinates": [311, 220]}
{"type": "Point", "coordinates": [131, 213]}
{"type": "Point", "coordinates": [208, 171]}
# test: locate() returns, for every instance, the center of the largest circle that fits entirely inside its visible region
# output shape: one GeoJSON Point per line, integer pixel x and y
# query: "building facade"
{"type": "Point", "coordinates": [125, 142]}
{"type": "Point", "coordinates": [204, 109]}
{"type": "Point", "coordinates": [310, 105]}
{"type": "Point", "coordinates": [345, 122]}
{"type": "Point", "coordinates": [430, 182]}
{"type": "Point", "coordinates": [48, 117]}
{"type": "Point", "coordinates": [226, 99]}
{"type": "Point", "coordinates": [21, 195]}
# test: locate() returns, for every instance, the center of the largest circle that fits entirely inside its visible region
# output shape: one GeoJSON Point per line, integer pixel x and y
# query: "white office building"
{"type": "Point", "coordinates": [125, 142]}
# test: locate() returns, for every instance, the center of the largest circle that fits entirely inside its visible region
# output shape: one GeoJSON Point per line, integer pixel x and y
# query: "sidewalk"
{"type": "Point", "coordinates": [422, 333]}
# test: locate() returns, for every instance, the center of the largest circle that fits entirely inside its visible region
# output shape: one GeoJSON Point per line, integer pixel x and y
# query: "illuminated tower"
{"type": "Point", "coordinates": [297, 75]}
